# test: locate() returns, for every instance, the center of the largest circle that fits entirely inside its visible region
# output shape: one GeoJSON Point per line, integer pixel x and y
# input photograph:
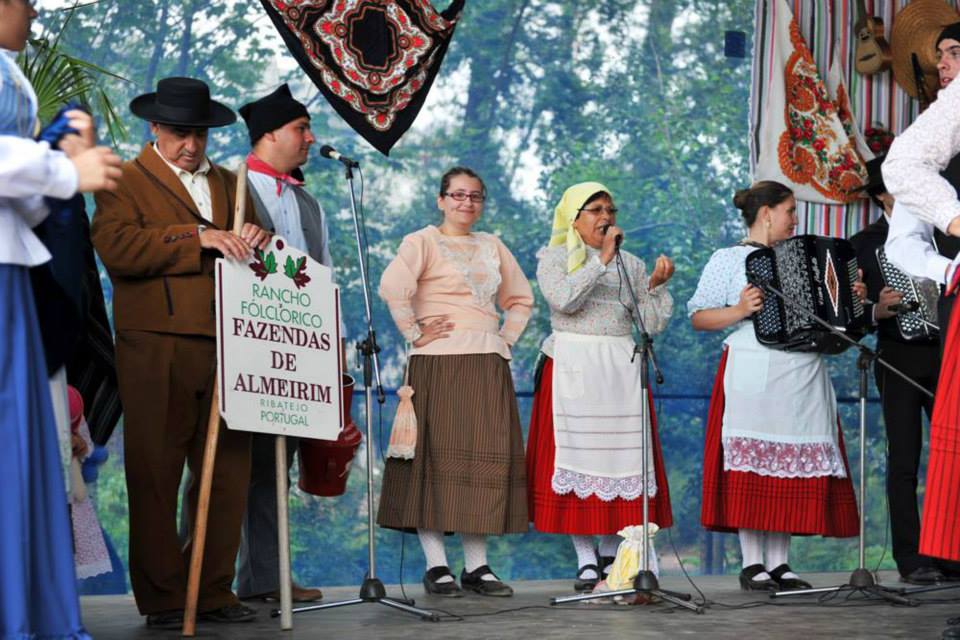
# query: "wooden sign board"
{"type": "Point", "coordinates": [278, 343]}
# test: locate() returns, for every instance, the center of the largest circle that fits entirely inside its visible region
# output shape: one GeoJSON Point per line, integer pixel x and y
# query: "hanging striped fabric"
{"type": "Point", "coordinates": [876, 100]}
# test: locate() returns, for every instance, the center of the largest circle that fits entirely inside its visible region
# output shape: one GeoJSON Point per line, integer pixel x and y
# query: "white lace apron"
{"type": "Point", "coordinates": [780, 412]}
{"type": "Point", "coordinates": [597, 419]}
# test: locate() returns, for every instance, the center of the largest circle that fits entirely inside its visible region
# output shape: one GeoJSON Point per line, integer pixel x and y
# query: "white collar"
{"type": "Point", "coordinates": [202, 170]}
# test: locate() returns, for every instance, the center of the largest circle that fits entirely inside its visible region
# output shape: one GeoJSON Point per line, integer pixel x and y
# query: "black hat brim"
{"type": "Point", "coordinates": [146, 107]}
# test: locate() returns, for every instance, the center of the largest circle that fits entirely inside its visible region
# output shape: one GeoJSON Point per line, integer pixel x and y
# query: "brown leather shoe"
{"type": "Point", "coordinates": [300, 594]}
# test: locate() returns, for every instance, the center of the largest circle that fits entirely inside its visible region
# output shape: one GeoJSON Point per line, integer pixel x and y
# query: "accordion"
{"type": "Point", "coordinates": [816, 275]}
{"type": "Point", "coordinates": [919, 325]}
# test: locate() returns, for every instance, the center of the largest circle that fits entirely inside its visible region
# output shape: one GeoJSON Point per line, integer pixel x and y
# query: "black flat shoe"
{"type": "Point", "coordinates": [923, 576]}
{"type": "Point", "coordinates": [747, 583]}
{"type": "Point", "coordinates": [474, 582]}
{"type": "Point", "coordinates": [166, 619]}
{"type": "Point", "coordinates": [228, 614]}
{"type": "Point", "coordinates": [605, 563]}
{"type": "Point", "coordinates": [586, 584]}
{"type": "Point", "coordinates": [446, 589]}
{"type": "Point", "coordinates": [788, 584]}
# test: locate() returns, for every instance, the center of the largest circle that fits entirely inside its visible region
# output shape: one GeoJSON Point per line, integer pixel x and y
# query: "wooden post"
{"type": "Point", "coordinates": [209, 455]}
{"type": "Point", "coordinates": [283, 535]}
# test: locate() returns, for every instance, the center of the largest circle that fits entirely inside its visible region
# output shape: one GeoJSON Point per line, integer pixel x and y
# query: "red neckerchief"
{"type": "Point", "coordinates": [256, 164]}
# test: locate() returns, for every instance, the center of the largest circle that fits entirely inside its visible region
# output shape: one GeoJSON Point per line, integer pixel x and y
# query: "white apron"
{"type": "Point", "coordinates": [598, 420]}
{"type": "Point", "coordinates": [780, 411]}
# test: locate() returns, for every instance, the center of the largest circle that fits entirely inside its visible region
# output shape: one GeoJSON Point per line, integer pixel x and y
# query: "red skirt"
{"type": "Point", "coordinates": [553, 513]}
{"type": "Point", "coordinates": [735, 500]}
{"type": "Point", "coordinates": [940, 525]}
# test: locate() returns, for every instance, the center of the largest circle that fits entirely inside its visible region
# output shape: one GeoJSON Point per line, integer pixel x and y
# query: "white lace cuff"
{"type": "Point", "coordinates": [607, 489]}
{"type": "Point", "coordinates": [782, 459]}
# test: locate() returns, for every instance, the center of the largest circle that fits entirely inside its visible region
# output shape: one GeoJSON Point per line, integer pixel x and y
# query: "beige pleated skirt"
{"type": "Point", "coordinates": [468, 474]}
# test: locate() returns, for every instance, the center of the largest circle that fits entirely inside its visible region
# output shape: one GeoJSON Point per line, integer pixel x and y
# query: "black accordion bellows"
{"type": "Point", "coordinates": [817, 275]}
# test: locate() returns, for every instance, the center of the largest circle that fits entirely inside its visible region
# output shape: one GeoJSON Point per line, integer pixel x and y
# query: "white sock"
{"type": "Point", "coordinates": [433, 551]}
{"type": "Point", "coordinates": [608, 548]}
{"type": "Point", "coordinates": [475, 553]}
{"type": "Point", "coordinates": [586, 554]}
{"type": "Point", "coordinates": [751, 548]}
{"type": "Point", "coordinates": [777, 550]}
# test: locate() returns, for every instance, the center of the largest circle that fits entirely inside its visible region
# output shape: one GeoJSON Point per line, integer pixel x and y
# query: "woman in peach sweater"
{"type": "Point", "coordinates": [467, 474]}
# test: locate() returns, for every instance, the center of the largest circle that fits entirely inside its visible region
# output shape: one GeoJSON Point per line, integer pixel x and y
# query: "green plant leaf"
{"type": "Point", "coordinates": [271, 263]}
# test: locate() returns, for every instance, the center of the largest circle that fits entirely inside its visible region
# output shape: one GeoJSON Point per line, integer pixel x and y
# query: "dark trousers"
{"type": "Point", "coordinates": [902, 414]}
{"type": "Point", "coordinates": [166, 382]}
{"type": "Point", "coordinates": [259, 562]}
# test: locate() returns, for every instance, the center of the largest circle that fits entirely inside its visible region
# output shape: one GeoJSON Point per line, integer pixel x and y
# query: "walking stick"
{"type": "Point", "coordinates": [209, 455]}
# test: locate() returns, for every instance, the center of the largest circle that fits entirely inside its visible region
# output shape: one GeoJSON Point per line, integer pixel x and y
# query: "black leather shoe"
{"type": "Point", "coordinates": [923, 576]}
{"type": "Point", "coordinates": [446, 589]}
{"type": "Point", "coordinates": [605, 563]}
{"type": "Point", "coordinates": [474, 582]}
{"type": "Point", "coordinates": [166, 619]}
{"type": "Point", "coordinates": [586, 584]}
{"type": "Point", "coordinates": [747, 583]}
{"type": "Point", "coordinates": [950, 570]}
{"type": "Point", "coordinates": [228, 614]}
{"type": "Point", "coordinates": [788, 584]}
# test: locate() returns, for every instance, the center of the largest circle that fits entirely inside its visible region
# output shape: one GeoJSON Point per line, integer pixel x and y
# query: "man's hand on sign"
{"type": "Point", "coordinates": [254, 236]}
{"type": "Point", "coordinates": [230, 245]}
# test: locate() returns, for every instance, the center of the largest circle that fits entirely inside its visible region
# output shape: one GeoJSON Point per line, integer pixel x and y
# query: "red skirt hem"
{"type": "Point", "coordinates": [553, 513]}
{"type": "Point", "coordinates": [940, 524]}
{"type": "Point", "coordinates": [734, 500]}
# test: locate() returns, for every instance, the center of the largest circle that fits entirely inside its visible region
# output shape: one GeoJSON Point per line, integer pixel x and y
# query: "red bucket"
{"type": "Point", "coordinates": [325, 464]}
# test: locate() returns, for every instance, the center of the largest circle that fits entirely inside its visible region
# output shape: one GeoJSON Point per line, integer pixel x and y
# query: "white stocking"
{"type": "Point", "coordinates": [777, 550]}
{"type": "Point", "coordinates": [475, 553]}
{"type": "Point", "coordinates": [608, 548]}
{"type": "Point", "coordinates": [433, 550]}
{"type": "Point", "coordinates": [751, 548]}
{"type": "Point", "coordinates": [586, 554]}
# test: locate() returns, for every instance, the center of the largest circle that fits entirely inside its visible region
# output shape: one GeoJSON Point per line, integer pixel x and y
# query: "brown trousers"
{"type": "Point", "coordinates": [166, 382]}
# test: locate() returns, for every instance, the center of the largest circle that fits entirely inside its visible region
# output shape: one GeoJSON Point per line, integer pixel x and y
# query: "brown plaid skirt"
{"type": "Point", "coordinates": [468, 473]}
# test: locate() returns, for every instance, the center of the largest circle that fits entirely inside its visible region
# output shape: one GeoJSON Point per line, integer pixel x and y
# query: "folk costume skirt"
{"type": "Point", "coordinates": [940, 523]}
{"type": "Point", "coordinates": [467, 474]}
{"type": "Point", "coordinates": [554, 513]}
{"type": "Point", "coordinates": [732, 500]}
{"type": "Point", "coordinates": [38, 592]}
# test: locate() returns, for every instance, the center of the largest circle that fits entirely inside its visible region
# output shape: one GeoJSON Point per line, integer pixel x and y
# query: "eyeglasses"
{"type": "Point", "coordinates": [598, 210]}
{"type": "Point", "coordinates": [460, 196]}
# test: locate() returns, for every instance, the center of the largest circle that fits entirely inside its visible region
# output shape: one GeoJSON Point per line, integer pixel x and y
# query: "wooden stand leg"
{"type": "Point", "coordinates": [203, 511]}
{"type": "Point", "coordinates": [283, 535]}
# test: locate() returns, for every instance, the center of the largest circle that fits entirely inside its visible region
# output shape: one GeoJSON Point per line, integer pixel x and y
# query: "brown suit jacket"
{"type": "Point", "coordinates": [146, 235]}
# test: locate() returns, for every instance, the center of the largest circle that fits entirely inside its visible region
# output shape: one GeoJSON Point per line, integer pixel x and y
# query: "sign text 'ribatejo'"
{"type": "Point", "coordinates": [278, 338]}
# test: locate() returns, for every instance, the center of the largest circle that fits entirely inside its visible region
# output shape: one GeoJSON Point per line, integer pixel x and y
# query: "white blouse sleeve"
{"type": "Point", "coordinates": [714, 284]}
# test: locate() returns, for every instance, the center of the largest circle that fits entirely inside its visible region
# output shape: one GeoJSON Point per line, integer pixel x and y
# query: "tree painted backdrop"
{"type": "Point", "coordinates": [535, 95]}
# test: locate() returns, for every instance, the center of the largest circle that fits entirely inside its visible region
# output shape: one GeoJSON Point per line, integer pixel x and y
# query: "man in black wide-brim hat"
{"type": "Point", "coordinates": [158, 236]}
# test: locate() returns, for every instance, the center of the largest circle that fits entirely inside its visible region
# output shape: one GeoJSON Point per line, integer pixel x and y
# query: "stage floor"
{"type": "Point", "coordinates": [732, 615]}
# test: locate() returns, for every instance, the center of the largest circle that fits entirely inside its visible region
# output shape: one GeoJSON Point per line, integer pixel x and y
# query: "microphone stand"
{"type": "Point", "coordinates": [372, 589]}
{"type": "Point", "coordinates": [861, 580]}
{"type": "Point", "coordinates": [646, 582]}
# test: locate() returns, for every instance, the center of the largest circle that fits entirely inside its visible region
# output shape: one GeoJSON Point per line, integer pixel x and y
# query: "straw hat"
{"type": "Point", "coordinates": [915, 30]}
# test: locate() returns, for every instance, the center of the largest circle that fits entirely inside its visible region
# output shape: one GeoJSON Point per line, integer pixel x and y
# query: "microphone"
{"type": "Point", "coordinates": [904, 307]}
{"type": "Point", "coordinates": [329, 152]}
{"type": "Point", "coordinates": [619, 239]}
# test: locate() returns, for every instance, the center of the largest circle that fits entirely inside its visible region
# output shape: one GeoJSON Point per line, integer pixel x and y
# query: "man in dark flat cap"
{"type": "Point", "coordinates": [280, 136]}
{"type": "Point", "coordinates": [158, 236]}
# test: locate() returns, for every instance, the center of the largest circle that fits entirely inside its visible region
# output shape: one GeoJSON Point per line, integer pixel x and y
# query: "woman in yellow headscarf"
{"type": "Point", "coordinates": [584, 453]}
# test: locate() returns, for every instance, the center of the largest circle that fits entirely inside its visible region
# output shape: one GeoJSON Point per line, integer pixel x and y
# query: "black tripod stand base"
{"type": "Point", "coordinates": [645, 583]}
{"type": "Point", "coordinates": [372, 590]}
{"type": "Point", "coordinates": [862, 582]}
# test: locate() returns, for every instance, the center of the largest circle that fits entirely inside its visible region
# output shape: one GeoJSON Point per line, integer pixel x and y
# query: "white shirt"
{"type": "Point", "coordinates": [29, 170]}
{"type": "Point", "coordinates": [912, 169]}
{"type": "Point", "coordinates": [196, 184]}
{"type": "Point", "coordinates": [910, 246]}
{"type": "Point", "coordinates": [283, 208]}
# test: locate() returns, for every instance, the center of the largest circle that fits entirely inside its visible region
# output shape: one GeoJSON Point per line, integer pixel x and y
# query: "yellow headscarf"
{"type": "Point", "coordinates": [566, 212]}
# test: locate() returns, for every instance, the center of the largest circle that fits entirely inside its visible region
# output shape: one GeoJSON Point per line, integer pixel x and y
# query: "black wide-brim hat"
{"type": "Point", "coordinates": [183, 102]}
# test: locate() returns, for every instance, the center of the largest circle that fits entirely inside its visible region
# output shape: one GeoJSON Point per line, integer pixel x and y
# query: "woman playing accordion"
{"type": "Point", "coordinates": [774, 461]}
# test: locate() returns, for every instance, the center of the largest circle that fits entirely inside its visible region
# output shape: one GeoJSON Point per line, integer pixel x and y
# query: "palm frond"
{"type": "Point", "coordinates": [59, 78]}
